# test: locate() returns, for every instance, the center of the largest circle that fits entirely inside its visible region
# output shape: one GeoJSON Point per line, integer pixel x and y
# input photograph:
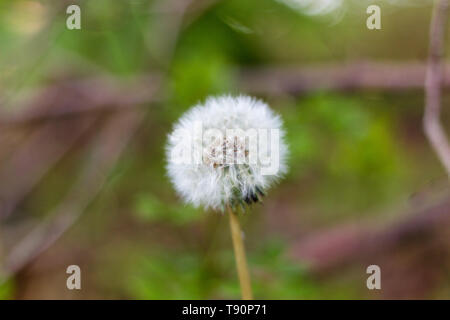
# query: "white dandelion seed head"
{"type": "Point", "coordinates": [232, 150]}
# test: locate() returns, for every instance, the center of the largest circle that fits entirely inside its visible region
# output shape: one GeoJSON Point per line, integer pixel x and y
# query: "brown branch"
{"type": "Point", "coordinates": [347, 77]}
{"type": "Point", "coordinates": [105, 152]}
{"type": "Point", "coordinates": [432, 125]}
{"type": "Point", "coordinates": [35, 157]}
{"type": "Point", "coordinates": [339, 246]}
{"type": "Point", "coordinates": [84, 96]}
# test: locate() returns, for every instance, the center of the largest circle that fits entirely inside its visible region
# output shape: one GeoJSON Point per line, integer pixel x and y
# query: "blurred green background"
{"type": "Point", "coordinates": [359, 164]}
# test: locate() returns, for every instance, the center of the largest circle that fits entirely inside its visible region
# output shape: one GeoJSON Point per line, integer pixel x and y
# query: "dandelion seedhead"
{"type": "Point", "coordinates": [227, 151]}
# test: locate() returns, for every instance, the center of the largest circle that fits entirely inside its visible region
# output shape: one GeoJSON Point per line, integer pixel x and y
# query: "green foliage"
{"type": "Point", "coordinates": [163, 277]}
{"type": "Point", "coordinates": [6, 289]}
{"type": "Point", "coordinates": [196, 78]}
{"type": "Point", "coordinates": [351, 146]}
{"type": "Point", "coordinates": [277, 277]}
{"type": "Point", "coordinates": [189, 275]}
{"type": "Point", "coordinates": [149, 208]}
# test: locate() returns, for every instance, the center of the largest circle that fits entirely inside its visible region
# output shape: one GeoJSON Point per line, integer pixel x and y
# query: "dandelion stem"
{"type": "Point", "coordinates": [239, 253]}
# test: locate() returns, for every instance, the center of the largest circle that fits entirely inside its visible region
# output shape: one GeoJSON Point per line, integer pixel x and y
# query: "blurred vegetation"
{"type": "Point", "coordinates": [352, 155]}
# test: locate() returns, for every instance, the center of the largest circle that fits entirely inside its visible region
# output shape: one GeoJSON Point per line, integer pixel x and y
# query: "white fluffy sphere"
{"type": "Point", "coordinates": [226, 168]}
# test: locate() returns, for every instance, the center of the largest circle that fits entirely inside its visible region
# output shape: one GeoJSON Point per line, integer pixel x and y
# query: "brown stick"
{"type": "Point", "coordinates": [432, 125]}
{"type": "Point", "coordinates": [344, 244]}
{"type": "Point", "coordinates": [105, 152]}
{"type": "Point", "coordinates": [363, 75]}
{"type": "Point", "coordinates": [13, 186]}
{"type": "Point", "coordinates": [69, 98]}
{"type": "Point", "coordinates": [239, 253]}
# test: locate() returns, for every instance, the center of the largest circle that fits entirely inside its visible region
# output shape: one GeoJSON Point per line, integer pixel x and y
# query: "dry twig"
{"type": "Point", "coordinates": [342, 245]}
{"type": "Point", "coordinates": [432, 125]}
{"type": "Point", "coordinates": [367, 75]}
{"type": "Point", "coordinates": [105, 152]}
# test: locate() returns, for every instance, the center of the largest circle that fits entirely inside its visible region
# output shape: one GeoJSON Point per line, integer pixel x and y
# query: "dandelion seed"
{"type": "Point", "coordinates": [216, 182]}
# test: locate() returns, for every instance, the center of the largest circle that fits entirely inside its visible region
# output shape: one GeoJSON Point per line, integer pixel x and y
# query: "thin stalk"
{"type": "Point", "coordinates": [239, 253]}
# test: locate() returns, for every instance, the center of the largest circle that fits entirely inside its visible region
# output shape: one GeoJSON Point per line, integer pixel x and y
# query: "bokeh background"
{"type": "Point", "coordinates": [84, 116]}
